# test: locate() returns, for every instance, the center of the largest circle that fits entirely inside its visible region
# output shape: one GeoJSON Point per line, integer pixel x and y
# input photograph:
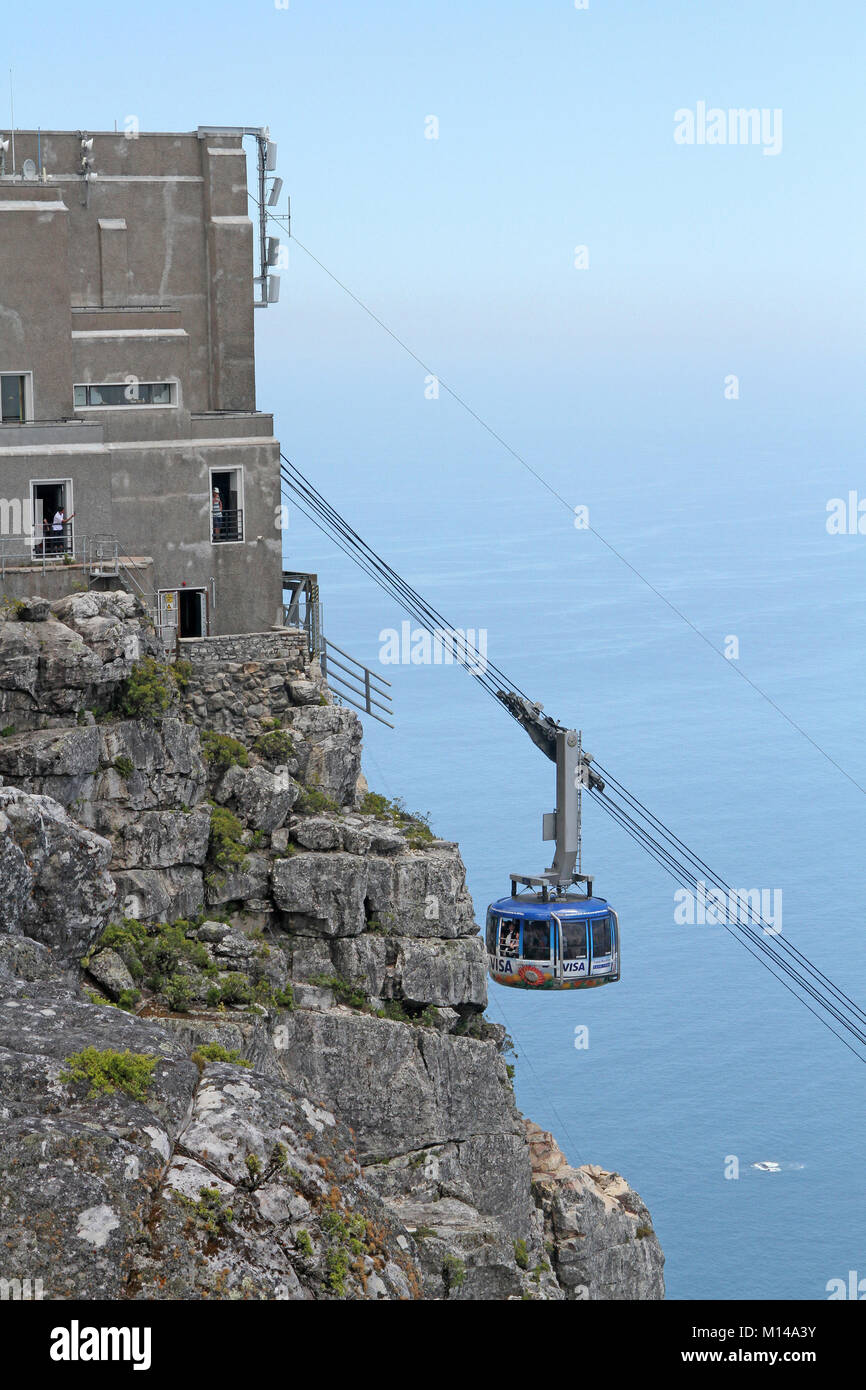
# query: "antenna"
{"type": "Point", "coordinates": [12, 112]}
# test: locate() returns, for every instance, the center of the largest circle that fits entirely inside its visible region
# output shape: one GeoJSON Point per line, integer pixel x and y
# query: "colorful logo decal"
{"type": "Point", "coordinates": [530, 975]}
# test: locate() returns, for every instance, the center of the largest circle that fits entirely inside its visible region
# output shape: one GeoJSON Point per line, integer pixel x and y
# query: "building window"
{"type": "Point", "coordinates": [107, 395]}
{"type": "Point", "coordinates": [14, 390]}
{"type": "Point", "coordinates": [226, 505]}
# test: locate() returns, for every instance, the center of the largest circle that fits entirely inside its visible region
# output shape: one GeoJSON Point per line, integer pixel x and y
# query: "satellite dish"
{"type": "Point", "coordinates": [28, 169]}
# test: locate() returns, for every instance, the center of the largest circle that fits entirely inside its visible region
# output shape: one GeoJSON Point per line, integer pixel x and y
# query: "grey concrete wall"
{"type": "Point", "coordinates": [144, 271]}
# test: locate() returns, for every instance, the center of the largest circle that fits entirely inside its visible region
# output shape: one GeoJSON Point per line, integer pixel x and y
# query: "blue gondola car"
{"type": "Point", "coordinates": [560, 943]}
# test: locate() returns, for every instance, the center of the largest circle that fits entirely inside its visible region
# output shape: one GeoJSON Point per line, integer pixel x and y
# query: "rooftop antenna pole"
{"type": "Point", "coordinates": [12, 112]}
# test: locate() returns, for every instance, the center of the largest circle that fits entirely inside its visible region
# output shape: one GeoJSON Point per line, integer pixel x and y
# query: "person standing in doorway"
{"type": "Point", "coordinates": [216, 513]}
{"type": "Point", "coordinates": [58, 531]}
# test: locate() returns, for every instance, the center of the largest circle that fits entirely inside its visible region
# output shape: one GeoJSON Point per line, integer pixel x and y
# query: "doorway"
{"type": "Point", "coordinates": [192, 613]}
{"type": "Point", "coordinates": [48, 500]}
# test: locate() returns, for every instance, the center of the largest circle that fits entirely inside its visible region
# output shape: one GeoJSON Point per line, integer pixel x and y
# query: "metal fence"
{"type": "Point", "coordinates": [362, 694]}
{"type": "Point", "coordinates": [228, 525]}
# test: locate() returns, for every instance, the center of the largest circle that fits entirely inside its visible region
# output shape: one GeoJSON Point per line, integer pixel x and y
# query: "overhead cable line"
{"type": "Point", "coordinates": [784, 961]}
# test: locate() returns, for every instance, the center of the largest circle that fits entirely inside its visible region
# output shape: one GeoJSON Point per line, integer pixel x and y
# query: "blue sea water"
{"type": "Point", "coordinates": [698, 1055]}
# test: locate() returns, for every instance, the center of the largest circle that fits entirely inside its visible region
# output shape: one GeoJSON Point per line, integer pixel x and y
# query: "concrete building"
{"type": "Point", "coordinates": [130, 265]}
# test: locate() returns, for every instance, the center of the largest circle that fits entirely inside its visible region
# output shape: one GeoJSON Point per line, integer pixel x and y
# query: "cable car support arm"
{"type": "Point", "coordinates": [573, 772]}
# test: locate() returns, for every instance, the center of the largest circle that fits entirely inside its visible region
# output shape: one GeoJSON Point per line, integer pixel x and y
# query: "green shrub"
{"type": "Point", "coordinates": [235, 988]}
{"type": "Point", "coordinates": [177, 993]}
{"type": "Point", "coordinates": [8, 731]}
{"type": "Point", "coordinates": [221, 751]}
{"type": "Point", "coordinates": [338, 1268]}
{"type": "Point", "coordinates": [210, 1213]}
{"type": "Point", "coordinates": [148, 691]}
{"type": "Point", "coordinates": [215, 1052]}
{"type": "Point", "coordinates": [108, 1071]}
{"type": "Point", "coordinates": [415, 827]}
{"type": "Point", "coordinates": [100, 999]}
{"type": "Point", "coordinates": [226, 849]}
{"type": "Point", "coordinates": [521, 1254]}
{"type": "Point", "coordinates": [156, 953]}
{"type": "Point", "coordinates": [313, 802]}
{"type": "Point", "coordinates": [453, 1273]}
{"type": "Point", "coordinates": [125, 766]}
{"type": "Point", "coordinates": [182, 671]}
{"type": "Point", "coordinates": [285, 998]}
{"type": "Point", "coordinates": [274, 747]}
{"type": "Point", "coordinates": [303, 1243]}
{"type": "Point", "coordinates": [344, 992]}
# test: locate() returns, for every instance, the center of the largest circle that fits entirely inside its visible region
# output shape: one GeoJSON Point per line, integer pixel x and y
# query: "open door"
{"type": "Point", "coordinates": [193, 612]}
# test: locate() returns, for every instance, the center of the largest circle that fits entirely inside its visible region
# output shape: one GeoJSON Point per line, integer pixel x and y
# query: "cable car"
{"type": "Point", "coordinates": [551, 937]}
{"type": "Point", "coordinates": [558, 943]}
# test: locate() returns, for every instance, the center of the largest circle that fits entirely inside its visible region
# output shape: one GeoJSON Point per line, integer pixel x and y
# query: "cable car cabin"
{"type": "Point", "coordinates": [564, 943]}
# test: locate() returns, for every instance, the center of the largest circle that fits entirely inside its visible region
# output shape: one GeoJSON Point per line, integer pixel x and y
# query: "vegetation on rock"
{"type": "Point", "coordinates": [109, 1071]}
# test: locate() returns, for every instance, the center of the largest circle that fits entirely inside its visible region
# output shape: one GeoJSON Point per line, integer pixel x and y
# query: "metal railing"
{"type": "Point", "coordinates": [42, 552]}
{"type": "Point", "coordinates": [304, 611]}
{"type": "Point", "coordinates": [227, 525]}
{"type": "Point", "coordinates": [345, 692]}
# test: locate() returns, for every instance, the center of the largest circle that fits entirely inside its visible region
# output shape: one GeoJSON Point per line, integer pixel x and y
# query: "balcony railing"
{"type": "Point", "coordinates": [54, 543]}
{"type": "Point", "coordinates": [228, 525]}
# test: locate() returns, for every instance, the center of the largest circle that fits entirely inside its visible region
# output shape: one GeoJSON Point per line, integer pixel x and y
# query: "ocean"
{"type": "Point", "coordinates": [699, 1064]}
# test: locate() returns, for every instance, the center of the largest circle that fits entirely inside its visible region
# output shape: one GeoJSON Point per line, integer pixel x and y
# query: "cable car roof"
{"type": "Point", "coordinates": [533, 909]}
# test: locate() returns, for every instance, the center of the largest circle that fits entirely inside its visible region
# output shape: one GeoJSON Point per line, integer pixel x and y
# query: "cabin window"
{"type": "Point", "coordinates": [13, 398]}
{"type": "Point", "coordinates": [536, 940]}
{"type": "Point", "coordinates": [601, 937]}
{"type": "Point", "coordinates": [573, 940]}
{"type": "Point", "coordinates": [491, 934]}
{"type": "Point", "coordinates": [509, 937]}
{"type": "Point", "coordinates": [107, 395]}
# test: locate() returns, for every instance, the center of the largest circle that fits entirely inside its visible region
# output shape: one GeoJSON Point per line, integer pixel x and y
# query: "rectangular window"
{"type": "Point", "coordinates": [491, 934]}
{"type": "Point", "coordinates": [108, 395]}
{"type": "Point", "coordinates": [509, 937]}
{"type": "Point", "coordinates": [601, 938]}
{"type": "Point", "coordinates": [226, 508]}
{"type": "Point", "coordinates": [13, 398]}
{"type": "Point", "coordinates": [536, 940]}
{"type": "Point", "coordinates": [573, 940]}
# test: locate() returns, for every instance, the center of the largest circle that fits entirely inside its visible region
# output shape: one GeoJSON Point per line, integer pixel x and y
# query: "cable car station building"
{"type": "Point", "coordinates": [129, 434]}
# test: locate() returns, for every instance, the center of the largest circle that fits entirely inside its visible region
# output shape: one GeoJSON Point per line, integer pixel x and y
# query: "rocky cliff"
{"type": "Point", "coordinates": [243, 1051]}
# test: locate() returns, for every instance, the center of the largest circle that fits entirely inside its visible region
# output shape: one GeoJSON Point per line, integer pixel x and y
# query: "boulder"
{"type": "Point", "coordinates": [56, 888]}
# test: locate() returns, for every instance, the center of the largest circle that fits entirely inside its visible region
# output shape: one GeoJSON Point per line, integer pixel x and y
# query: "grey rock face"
{"type": "Point", "coordinates": [108, 970]}
{"type": "Point", "coordinates": [419, 894]}
{"type": "Point", "coordinates": [109, 772]}
{"type": "Point", "coordinates": [327, 743]}
{"type": "Point", "coordinates": [56, 887]}
{"type": "Point", "coordinates": [261, 798]}
{"type": "Point", "coordinates": [54, 667]}
{"type": "Point", "coordinates": [441, 973]}
{"type": "Point", "coordinates": [230, 1171]}
{"type": "Point", "coordinates": [269, 1232]}
{"type": "Point", "coordinates": [604, 1245]}
{"type": "Point", "coordinates": [159, 895]}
